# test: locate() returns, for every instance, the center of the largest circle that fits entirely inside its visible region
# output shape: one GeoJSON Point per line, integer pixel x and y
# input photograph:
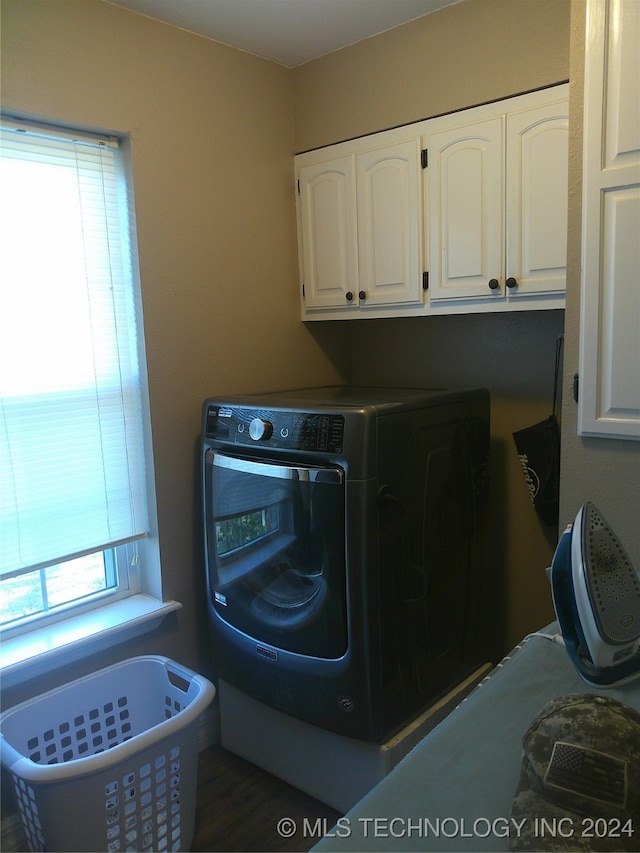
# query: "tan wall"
{"type": "Point", "coordinates": [604, 471]}
{"type": "Point", "coordinates": [465, 54]}
{"type": "Point", "coordinates": [212, 144]}
{"type": "Point", "coordinates": [472, 52]}
{"type": "Point", "coordinates": [212, 139]}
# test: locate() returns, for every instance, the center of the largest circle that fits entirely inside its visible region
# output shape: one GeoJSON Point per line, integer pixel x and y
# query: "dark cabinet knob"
{"type": "Point", "coordinates": [511, 282]}
{"type": "Point", "coordinates": [349, 296]}
{"type": "Point", "coordinates": [362, 295]}
{"type": "Point", "coordinates": [494, 284]}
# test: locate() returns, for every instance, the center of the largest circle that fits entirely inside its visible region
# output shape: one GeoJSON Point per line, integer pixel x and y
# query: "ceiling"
{"type": "Point", "coordinates": [289, 32]}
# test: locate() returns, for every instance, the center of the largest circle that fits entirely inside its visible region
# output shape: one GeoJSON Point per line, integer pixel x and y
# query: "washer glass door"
{"type": "Point", "coordinates": [275, 552]}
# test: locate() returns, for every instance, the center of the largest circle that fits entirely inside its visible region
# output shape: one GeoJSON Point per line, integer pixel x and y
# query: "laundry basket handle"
{"type": "Point", "coordinates": [202, 693]}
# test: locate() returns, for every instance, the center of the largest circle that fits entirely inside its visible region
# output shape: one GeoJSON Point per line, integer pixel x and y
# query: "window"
{"type": "Point", "coordinates": [243, 530]}
{"type": "Point", "coordinates": [73, 495]}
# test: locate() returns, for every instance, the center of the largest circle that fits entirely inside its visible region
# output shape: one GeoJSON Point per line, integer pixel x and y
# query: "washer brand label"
{"type": "Point", "coordinates": [270, 654]}
{"type": "Point", "coordinates": [220, 598]}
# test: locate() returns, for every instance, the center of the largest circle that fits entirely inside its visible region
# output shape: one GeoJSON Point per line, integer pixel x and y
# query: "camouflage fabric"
{"type": "Point", "coordinates": [580, 778]}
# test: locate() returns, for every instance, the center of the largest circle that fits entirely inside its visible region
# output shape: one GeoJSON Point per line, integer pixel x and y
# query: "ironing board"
{"type": "Point", "coordinates": [454, 790]}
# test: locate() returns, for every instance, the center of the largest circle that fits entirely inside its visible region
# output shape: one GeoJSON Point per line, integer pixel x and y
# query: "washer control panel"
{"type": "Point", "coordinates": [276, 428]}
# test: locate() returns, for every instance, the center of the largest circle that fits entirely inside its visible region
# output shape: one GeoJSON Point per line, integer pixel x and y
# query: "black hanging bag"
{"type": "Point", "coordinates": [538, 449]}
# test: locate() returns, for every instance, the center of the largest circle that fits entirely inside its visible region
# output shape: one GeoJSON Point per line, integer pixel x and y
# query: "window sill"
{"type": "Point", "coordinates": [56, 645]}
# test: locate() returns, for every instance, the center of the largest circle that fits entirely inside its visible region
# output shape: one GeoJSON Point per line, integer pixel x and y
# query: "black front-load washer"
{"type": "Point", "coordinates": [339, 533]}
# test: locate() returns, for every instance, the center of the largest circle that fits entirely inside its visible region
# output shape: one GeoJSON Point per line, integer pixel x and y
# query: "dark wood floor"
{"type": "Point", "coordinates": [239, 808]}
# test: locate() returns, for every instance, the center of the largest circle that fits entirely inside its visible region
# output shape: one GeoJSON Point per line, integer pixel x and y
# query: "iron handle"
{"type": "Point", "coordinates": [349, 296]}
{"type": "Point", "coordinates": [362, 295]}
{"type": "Point", "coordinates": [511, 282]}
{"type": "Point", "coordinates": [494, 284]}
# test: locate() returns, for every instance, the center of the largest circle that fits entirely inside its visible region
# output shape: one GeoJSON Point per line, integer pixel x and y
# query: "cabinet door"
{"type": "Point", "coordinates": [609, 399]}
{"type": "Point", "coordinates": [328, 233]}
{"type": "Point", "coordinates": [465, 188]}
{"type": "Point", "coordinates": [389, 224]}
{"type": "Point", "coordinates": [537, 184]}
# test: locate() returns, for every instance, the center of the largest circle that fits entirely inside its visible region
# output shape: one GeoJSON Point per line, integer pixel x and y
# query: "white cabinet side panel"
{"type": "Point", "coordinates": [622, 96]}
{"type": "Point", "coordinates": [609, 401]}
{"type": "Point", "coordinates": [619, 379]}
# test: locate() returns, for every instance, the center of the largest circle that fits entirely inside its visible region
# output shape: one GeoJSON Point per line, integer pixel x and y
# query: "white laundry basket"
{"type": "Point", "coordinates": [110, 761]}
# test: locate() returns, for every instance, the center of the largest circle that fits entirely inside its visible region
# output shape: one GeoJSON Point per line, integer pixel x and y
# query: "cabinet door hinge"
{"type": "Point", "coordinates": [298, 183]}
{"type": "Point", "coordinates": [576, 386]}
{"type": "Point", "coordinates": [425, 280]}
{"type": "Point", "coordinates": [424, 157]}
{"type": "Point", "coordinates": [303, 293]}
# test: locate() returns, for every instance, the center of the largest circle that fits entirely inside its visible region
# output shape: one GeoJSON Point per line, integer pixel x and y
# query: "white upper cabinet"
{"type": "Point", "coordinates": [537, 200]}
{"type": "Point", "coordinates": [497, 202]}
{"type": "Point", "coordinates": [465, 190]}
{"type": "Point", "coordinates": [460, 213]}
{"type": "Point", "coordinates": [609, 388]}
{"type": "Point", "coordinates": [328, 231]}
{"type": "Point", "coordinates": [389, 217]}
{"type": "Point", "coordinates": [360, 226]}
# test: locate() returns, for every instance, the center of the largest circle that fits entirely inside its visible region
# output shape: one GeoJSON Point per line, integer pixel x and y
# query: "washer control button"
{"type": "Point", "coordinates": [260, 430]}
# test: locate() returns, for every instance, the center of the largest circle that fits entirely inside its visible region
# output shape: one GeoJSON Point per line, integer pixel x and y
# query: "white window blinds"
{"type": "Point", "coordinates": [71, 438]}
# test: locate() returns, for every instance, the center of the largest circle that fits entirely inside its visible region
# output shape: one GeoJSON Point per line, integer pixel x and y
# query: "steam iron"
{"type": "Point", "coordinates": [596, 596]}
